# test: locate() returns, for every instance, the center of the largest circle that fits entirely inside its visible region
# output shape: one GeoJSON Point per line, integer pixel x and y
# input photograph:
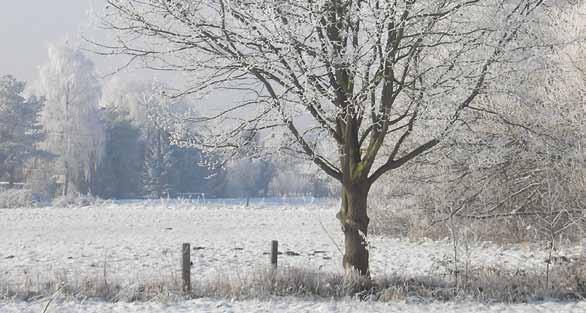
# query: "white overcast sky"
{"type": "Point", "coordinates": [27, 26]}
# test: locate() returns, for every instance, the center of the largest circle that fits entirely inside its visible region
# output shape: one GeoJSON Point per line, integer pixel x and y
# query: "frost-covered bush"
{"type": "Point", "coordinates": [16, 198]}
{"type": "Point", "coordinates": [521, 164]}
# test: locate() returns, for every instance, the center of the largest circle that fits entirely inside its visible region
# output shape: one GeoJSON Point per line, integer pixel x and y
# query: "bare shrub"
{"type": "Point", "coordinates": [91, 287]}
{"type": "Point", "coordinates": [521, 165]}
{"type": "Point", "coordinates": [390, 224]}
{"type": "Point", "coordinates": [530, 197]}
{"type": "Point", "coordinates": [288, 281]}
{"type": "Point", "coordinates": [493, 284]}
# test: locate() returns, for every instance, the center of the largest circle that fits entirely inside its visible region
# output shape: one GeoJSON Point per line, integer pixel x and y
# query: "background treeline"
{"type": "Point", "coordinates": [69, 133]}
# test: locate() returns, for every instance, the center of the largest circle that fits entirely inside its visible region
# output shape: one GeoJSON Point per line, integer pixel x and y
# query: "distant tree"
{"type": "Point", "coordinates": [131, 98]}
{"type": "Point", "coordinates": [121, 169]}
{"type": "Point", "coordinates": [249, 177]}
{"type": "Point", "coordinates": [189, 174]}
{"type": "Point", "coordinates": [158, 162]}
{"type": "Point", "coordinates": [20, 131]}
{"type": "Point", "coordinates": [167, 169]}
{"type": "Point", "coordinates": [293, 176]}
{"type": "Point", "coordinates": [70, 118]}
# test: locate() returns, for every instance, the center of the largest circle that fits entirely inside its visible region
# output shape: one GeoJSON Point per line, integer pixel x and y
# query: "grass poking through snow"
{"type": "Point", "coordinates": [483, 285]}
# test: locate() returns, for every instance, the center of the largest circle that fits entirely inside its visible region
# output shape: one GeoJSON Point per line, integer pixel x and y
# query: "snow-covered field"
{"type": "Point", "coordinates": [293, 305]}
{"type": "Point", "coordinates": [141, 240]}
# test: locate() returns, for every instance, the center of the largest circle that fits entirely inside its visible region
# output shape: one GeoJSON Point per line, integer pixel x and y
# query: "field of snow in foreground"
{"type": "Point", "coordinates": [293, 305]}
{"type": "Point", "coordinates": [139, 241]}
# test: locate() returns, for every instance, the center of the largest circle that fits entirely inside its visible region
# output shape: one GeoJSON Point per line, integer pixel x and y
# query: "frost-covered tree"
{"type": "Point", "coordinates": [295, 177]}
{"type": "Point", "coordinates": [19, 128]}
{"type": "Point", "coordinates": [120, 173]}
{"type": "Point", "coordinates": [165, 169]}
{"type": "Point", "coordinates": [248, 175]}
{"type": "Point", "coordinates": [189, 175]}
{"type": "Point", "coordinates": [70, 118]}
{"type": "Point", "coordinates": [132, 98]}
{"type": "Point", "coordinates": [158, 162]}
{"type": "Point", "coordinates": [350, 85]}
{"type": "Point", "coordinates": [523, 159]}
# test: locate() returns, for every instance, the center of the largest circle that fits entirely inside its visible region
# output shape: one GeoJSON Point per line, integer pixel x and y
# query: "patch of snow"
{"type": "Point", "coordinates": [143, 239]}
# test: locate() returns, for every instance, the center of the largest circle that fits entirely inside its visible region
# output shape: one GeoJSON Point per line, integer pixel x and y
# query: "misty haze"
{"type": "Point", "coordinates": [293, 156]}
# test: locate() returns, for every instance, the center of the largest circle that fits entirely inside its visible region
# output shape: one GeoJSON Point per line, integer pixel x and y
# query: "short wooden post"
{"type": "Point", "coordinates": [274, 252]}
{"type": "Point", "coordinates": [186, 267]}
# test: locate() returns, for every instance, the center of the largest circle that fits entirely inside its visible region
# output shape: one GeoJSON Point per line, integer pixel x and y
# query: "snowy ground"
{"type": "Point", "coordinates": [293, 305]}
{"type": "Point", "coordinates": [141, 240]}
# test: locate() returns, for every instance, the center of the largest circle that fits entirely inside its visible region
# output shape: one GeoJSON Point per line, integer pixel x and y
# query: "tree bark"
{"type": "Point", "coordinates": [354, 218]}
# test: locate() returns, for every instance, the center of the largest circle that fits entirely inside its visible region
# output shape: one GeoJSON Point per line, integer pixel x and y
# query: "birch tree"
{"type": "Point", "coordinates": [350, 85]}
{"type": "Point", "coordinates": [70, 117]}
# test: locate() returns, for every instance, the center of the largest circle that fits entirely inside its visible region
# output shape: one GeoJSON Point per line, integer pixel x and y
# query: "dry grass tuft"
{"type": "Point", "coordinates": [486, 284]}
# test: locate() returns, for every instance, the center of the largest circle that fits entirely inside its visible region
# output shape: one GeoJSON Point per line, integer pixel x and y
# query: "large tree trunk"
{"type": "Point", "coordinates": [354, 218]}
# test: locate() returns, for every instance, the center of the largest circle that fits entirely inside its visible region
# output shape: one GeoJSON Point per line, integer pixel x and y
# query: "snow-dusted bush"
{"type": "Point", "coordinates": [16, 198]}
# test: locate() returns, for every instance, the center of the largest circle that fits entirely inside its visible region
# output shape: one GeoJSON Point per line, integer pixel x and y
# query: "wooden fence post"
{"type": "Point", "coordinates": [186, 267]}
{"type": "Point", "coordinates": [274, 253]}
